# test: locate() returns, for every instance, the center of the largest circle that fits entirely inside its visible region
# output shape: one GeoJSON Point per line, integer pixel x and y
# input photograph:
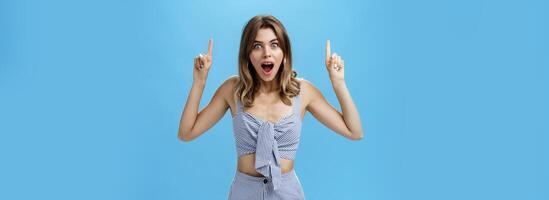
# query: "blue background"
{"type": "Point", "coordinates": [452, 95]}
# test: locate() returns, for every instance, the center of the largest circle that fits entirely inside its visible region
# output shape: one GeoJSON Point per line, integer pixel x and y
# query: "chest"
{"type": "Point", "coordinates": [269, 109]}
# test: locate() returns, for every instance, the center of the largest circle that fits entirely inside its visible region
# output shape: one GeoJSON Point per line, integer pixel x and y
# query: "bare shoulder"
{"type": "Point", "coordinates": [307, 87]}
{"type": "Point", "coordinates": [228, 86]}
{"type": "Point", "coordinates": [304, 82]}
{"type": "Point", "coordinates": [308, 90]}
{"type": "Point", "coordinates": [231, 81]}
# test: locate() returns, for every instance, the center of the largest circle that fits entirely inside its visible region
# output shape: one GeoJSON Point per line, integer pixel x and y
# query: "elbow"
{"type": "Point", "coordinates": [356, 136]}
{"type": "Point", "coordinates": [184, 137]}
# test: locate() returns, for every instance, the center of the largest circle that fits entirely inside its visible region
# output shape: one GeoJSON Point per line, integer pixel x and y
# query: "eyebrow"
{"type": "Point", "coordinates": [255, 41]}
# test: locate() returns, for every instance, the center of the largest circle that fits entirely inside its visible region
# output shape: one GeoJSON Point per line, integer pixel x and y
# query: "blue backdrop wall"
{"type": "Point", "coordinates": [452, 95]}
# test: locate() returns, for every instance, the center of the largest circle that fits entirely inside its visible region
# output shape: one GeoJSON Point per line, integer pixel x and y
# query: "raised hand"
{"type": "Point", "coordinates": [202, 64]}
{"type": "Point", "coordinates": [334, 64]}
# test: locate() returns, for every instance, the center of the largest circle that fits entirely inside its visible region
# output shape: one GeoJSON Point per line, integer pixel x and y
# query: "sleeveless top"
{"type": "Point", "coordinates": [269, 141]}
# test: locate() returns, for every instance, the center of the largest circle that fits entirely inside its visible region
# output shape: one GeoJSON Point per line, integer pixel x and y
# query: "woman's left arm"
{"type": "Point", "coordinates": [346, 123]}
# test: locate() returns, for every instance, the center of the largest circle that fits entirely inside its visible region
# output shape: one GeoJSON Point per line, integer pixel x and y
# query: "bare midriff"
{"type": "Point", "coordinates": [246, 164]}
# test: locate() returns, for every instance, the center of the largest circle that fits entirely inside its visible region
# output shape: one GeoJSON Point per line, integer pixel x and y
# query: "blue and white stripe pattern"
{"type": "Point", "coordinates": [269, 141]}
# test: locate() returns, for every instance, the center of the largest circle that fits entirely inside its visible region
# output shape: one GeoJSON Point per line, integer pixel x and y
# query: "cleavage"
{"type": "Point", "coordinates": [273, 114]}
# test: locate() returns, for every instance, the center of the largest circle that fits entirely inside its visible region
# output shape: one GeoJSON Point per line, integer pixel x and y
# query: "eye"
{"type": "Point", "coordinates": [257, 46]}
{"type": "Point", "coordinates": [274, 45]}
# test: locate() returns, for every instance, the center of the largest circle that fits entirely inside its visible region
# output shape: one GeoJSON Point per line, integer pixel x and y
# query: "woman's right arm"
{"type": "Point", "coordinates": [194, 123]}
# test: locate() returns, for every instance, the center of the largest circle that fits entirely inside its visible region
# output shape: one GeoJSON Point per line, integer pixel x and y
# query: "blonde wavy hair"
{"type": "Point", "coordinates": [248, 83]}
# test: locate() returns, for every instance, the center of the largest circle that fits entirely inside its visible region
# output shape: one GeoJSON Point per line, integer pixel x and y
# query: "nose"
{"type": "Point", "coordinates": [267, 53]}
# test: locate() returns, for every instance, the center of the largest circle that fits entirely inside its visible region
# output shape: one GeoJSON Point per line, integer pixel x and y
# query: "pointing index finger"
{"type": "Point", "coordinates": [210, 46]}
{"type": "Point", "coordinates": [328, 51]}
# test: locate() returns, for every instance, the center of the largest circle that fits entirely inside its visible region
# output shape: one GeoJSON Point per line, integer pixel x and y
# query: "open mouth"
{"type": "Point", "coordinates": [267, 67]}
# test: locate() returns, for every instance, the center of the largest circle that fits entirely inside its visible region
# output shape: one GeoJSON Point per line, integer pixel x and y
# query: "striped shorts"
{"type": "Point", "coordinates": [246, 187]}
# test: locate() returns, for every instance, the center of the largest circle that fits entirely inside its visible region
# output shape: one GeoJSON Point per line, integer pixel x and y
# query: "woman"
{"type": "Point", "coordinates": [267, 103]}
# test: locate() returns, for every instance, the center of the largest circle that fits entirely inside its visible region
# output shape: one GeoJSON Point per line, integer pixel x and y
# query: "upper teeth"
{"type": "Point", "coordinates": [267, 63]}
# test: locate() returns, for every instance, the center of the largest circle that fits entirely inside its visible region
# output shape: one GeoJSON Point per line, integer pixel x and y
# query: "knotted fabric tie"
{"type": "Point", "coordinates": [267, 159]}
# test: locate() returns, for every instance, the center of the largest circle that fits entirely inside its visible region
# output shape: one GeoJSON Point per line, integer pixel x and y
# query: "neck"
{"type": "Point", "coordinates": [268, 87]}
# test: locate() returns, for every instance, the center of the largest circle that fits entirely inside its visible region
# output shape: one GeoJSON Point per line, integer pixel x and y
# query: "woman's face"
{"type": "Point", "coordinates": [266, 55]}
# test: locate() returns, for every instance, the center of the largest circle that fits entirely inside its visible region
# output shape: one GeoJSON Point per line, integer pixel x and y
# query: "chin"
{"type": "Point", "coordinates": [268, 79]}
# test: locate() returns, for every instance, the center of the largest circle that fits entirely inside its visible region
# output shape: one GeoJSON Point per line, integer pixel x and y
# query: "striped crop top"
{"type": "Point", "coordinates": [269, 141]}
